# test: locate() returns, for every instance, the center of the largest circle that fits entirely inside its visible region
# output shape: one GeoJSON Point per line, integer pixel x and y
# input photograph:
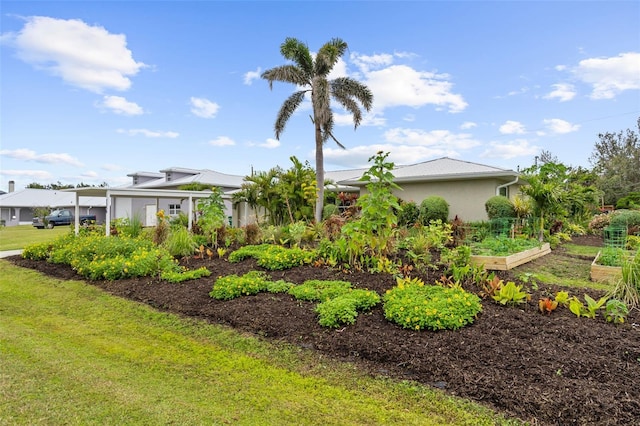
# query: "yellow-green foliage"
{"type": "Point", "coordinates": [319, 290]}
{"type": "Point", "coordinates": [416, 306]}
{"type": "Point", "coordinates": [343, 309]}
{"type": "Point", "coordinates": [184, 274]}
{"type": "Point", "coordinates": [274, 257]}
{"type": "Point", "coordinates": [232, 286]}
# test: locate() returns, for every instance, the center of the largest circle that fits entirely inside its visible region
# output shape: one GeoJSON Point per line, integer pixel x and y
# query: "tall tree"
{"type": "Point", "coordinates": [311, 76]}
{"type": "Point", "coordinates": [616, 160]}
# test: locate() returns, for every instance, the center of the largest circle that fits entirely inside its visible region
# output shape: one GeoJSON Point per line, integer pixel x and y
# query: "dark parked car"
{"type": "Point", "coordinates": [60, 218]}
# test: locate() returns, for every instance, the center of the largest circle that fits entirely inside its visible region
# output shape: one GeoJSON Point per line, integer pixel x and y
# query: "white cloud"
{"type": "Point", "coordinates": [560, 67]}
{"type": "Point", "coordinates": [89, 174]}
{"type": "Point", "coordinates": [468, 125]}
{"type": "Point", "coordinates": [222, 141]}
{"type": "Point", "coordinates": [368, 119]}
{"type": "Point", "coordinates": [511, 127]}
{"type": "Point", "coordinates": [511, 149]}
{"type": "Point", "coordinates": [435, 138]}
{"type": "Point", "coordinates": [562, 91]}
{"type": "Point", "coordinates": [559, 126]}
{"type": "Point", "coordinates": [204, 108]}
{"type": "Point", "coordinates": [120, 105]}
{"type": "Point", "coordinates": [401, 85]}
{"type": "Point", "coordinates": [149, 133]}
{"type": "Point", "coordinates": [356, 157]}
{"type": "Point", "coordinates": [84, 56]}
{"type": "Point", "coordinates": [252, 75]}
{"type": "Point", "coordinates": [270, 143]}
{"type": "Point", "coordinates": [366, 62]}
{"type": "Point", "coordinates": [49, 158]}
{"type": "Point", "coordinates": [610, 76]}
{"type": "Point", "coordinates": [33, 174]}
{"type": "Point", "coordinates": [111, 167]}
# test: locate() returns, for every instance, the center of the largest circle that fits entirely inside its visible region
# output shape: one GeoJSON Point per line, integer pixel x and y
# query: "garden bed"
{"type": "Point", "coordinates": [505, 263]}
{"type": "Point", "coordinates": [602, 273]}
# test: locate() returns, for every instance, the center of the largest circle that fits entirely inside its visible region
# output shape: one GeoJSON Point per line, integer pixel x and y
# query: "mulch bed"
{"type": "Point", "coordinates": [546, 369]}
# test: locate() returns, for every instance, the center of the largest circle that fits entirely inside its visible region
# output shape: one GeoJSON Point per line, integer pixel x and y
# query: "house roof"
{"type": "Point", "coordinates": [31, 197]}
{"type": "Point", "coordinates": [207, 177]}
{"type": "Point", "coordinates": [443, 169]}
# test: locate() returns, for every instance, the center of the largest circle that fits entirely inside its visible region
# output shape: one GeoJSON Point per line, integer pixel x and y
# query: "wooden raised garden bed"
{"type": "Point", "coordinates": [504, 263]}
{"type": "Point", "coordinates": [601, 273]}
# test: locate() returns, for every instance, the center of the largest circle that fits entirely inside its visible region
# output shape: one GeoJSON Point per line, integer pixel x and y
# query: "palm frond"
{"type": "Point", "coordinates": [298, 52]}
{"type": "Point", "coordinates": [286, 74]}
{"type": "Point", "coordinates": [328, 56]}
{"type": "Point", "coordinates": [343, 87]}
{"type": "Point", "coordinates": [287, 109]}
{"type": "Point", "coordinates": [321, 100]}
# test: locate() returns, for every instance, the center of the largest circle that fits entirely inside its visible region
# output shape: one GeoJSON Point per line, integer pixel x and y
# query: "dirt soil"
{"type": "Point", "coordinates": [552, 369]}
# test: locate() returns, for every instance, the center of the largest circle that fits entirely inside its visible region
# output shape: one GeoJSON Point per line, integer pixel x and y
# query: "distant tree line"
{"type": "Point", "coordinates": [58, 185]}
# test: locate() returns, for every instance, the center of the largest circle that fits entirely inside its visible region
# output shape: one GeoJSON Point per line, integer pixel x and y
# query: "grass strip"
{"type": "Point", "coordinates": [18, 237]}
{"type": "Point", "coordinates": [72, 354]}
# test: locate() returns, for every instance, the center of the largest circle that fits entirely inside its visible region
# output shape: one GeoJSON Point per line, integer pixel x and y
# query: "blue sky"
{"type": "Point", "coordinates": [92, 91]}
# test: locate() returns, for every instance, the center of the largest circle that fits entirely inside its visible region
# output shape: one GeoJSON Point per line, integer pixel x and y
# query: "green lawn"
{"type": "Point", "coordinates": [72, 354]}
{"type": "Point", "coordinates": [18, 237]}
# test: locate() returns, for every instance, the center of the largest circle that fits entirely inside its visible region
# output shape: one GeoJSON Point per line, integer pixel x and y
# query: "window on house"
{"type": "Point", "coordinates": [174, 209]}
{"type": "Point", "coordinates": [504, 191]}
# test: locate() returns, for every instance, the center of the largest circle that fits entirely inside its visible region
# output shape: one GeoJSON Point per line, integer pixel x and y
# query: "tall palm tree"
{"type": "Point", "coordinates": [310, 74]}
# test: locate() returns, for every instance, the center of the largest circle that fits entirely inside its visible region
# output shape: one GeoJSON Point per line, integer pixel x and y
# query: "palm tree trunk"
{"type": "Point", "coordinates": [319, 173]}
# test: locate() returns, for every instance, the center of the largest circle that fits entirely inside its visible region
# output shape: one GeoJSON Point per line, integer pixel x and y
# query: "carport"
{"type": "Point", "coordinates": [112, 193]}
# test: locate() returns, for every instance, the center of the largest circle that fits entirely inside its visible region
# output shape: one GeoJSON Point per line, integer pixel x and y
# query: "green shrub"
{"type": "Point", "coordinates": [336, 312]}
{"type": "Point", "coordinates": [319, 290]}
{"type": "Point", "coordinates": [184, 274]}
{"type": "Point", "coordinates": [625, 219]}
{"type": "Point", "coordinates": [329, 210]}
{"type": "Point", "coordinates": [274, 257]}
{"type": "Point", "coordinates": [409, 215]}
{"type": "Point", "coordinates": [280, 286]}
{"type": "Point", "coordinates": [180, 242]}
{"type": "Point", "coordinates": [499, 206]}
{"type": "Point", "coordinates": [433, 208]}
{"type": "Point", "coordinates": [630, 201]}
{"type": "Point", "coordinates": [416, 306]}
{"type": "Point", "coordinates": [232, 286]}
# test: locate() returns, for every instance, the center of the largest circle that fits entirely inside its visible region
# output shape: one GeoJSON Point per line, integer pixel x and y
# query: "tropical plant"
{"type": "Point", "coordinates": [499, 206]}
{"type": "Point", "coordinates": [311, 74]}
{"type": "Point", "coordinates": [212, 215]}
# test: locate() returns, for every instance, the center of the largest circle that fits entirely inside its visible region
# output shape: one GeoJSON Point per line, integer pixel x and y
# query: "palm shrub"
{"type": "Point", "coordinates": [433, 207]}
{"type": "Point", "coordinates": [499, 206]}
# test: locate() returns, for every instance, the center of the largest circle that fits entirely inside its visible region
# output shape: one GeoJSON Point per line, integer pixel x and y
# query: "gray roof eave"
{"type": "Point", "coordinates": [507, 174]}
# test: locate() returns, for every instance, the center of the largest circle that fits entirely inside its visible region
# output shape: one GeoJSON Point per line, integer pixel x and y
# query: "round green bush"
{"type": "Point", "coordinates": [416, 306]}
{"type": "Point", "coordinates": [433, 208]}
{"type": "Point", "coordinates": [625, 218]}
{"type": "Point", "coordinates": [409, 214]}
{"type": "Point", "coordinates": [499, 206]}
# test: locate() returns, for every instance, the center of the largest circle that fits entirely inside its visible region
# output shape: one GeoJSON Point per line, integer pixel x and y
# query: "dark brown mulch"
{"type": "Point", "coordinates": [547, 369]}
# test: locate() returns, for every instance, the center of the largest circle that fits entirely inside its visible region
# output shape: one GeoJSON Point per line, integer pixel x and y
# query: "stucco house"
{"type": "Point", "coordinates": [17, 207]}
{"type": "Point", "coordinates": [465, 185]}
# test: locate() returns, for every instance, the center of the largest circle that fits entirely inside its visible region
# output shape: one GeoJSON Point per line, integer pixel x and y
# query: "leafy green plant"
{"type": "Point", "coordinates": [611, 256]}
{"type": "Point", "coordinates": [211, 215]}
{"type": "Point", "coordinates": [344, 308]}
{"type": "Point", "coordinates": [616, 311]}
{"type": "Point", "coordinates": [273, 257]}
{"type": "Point", "coordinates": [502, 246]}
{"type": "Point", "coordinates": [416, 306]}
{"type": "Point", "coordinates": [319, 290]}
{"type": "Point", "coordinates": [232, 286]}
{"type": "Point", "coordinates": [589, 310]}
{"type": "Point", "coordinates": [627, 288]}
{"type": "Point", "coordinates": [280, 286]}
{"type": "Point", "coordinates": [511, 294]}
{"type": "Point", "coordinates": [184, 274]}
{"type": "Point", "coordinates": [562, 297]}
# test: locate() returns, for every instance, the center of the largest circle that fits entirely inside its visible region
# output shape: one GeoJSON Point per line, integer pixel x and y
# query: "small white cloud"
{"type": "Point", "coordinates": [149, 133]}
{"type": "Point", "coordinates": [560, 67]}
{"type": "Point", "coordinates": [270, 143]}
{"type": "Point", "coordinates": [508, 150]}
{"type": "Point", "coordinates": [222, 141]}
{"type": "Point", "coordinates": [610, 76]}
{"type": "Point", "coordinates": [559, 126]}
{"type": "Point", "coordinates": [204, 108]}
{"type": "Point", "coordinates": [511, 127]}
{"type": "Point", "coordinates": [89, 174]}
{"type": "Point", "coordinates": [520, 91]}
{"type": "Point", "coordinates": [468, 125]}
{"type": "Point", "coordinates": [111, 167]}
{"type": "Point", "coordinates": [562, 91]}
{"type": "Point", "coordinates": [120, 105]}
{"type": "Point", "coordinates": [401, 85]}
{"type": "Point", "coordinates": [443, 139]}
{"type": "Point", "coordinates": [409, 117]}
{"type": "Point", "coordinates": [84, 56]}
{"type": "Point", "coordinates": [49, 158]}
{"type": "Point", "coordinates": [33, 174]}
{"type": "Point", "coordinates": [366, 62]}
{"type": "Point", "coordinates": [252, 75]}
{"type": "Point", "coordinates": [368, 119]}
